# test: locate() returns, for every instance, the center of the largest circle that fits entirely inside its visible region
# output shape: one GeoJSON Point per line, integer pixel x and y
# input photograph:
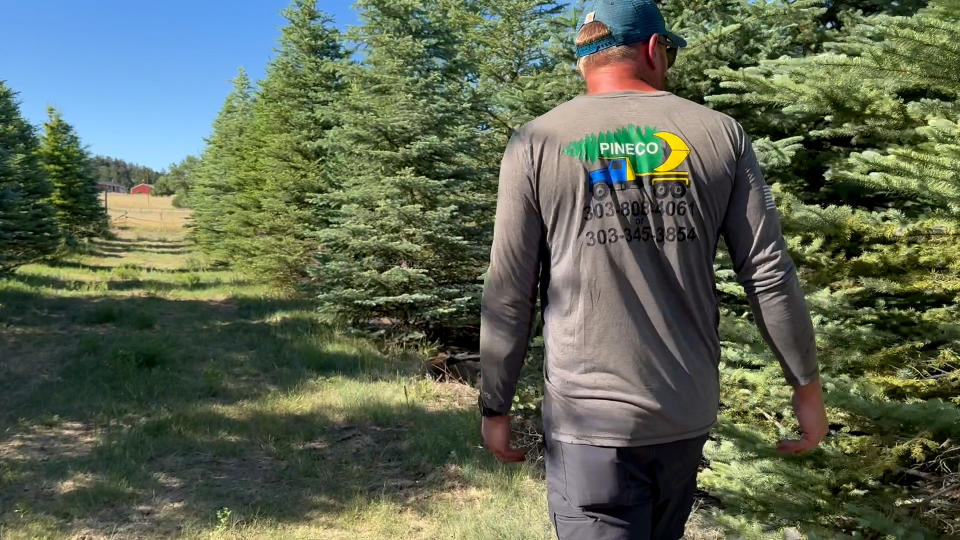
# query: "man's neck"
{"type": "Point", "coordinates": [616, 78]}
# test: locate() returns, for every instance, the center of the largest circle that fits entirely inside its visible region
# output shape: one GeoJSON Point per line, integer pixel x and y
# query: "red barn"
{"type": "Point", "coordinates": [145, 189]}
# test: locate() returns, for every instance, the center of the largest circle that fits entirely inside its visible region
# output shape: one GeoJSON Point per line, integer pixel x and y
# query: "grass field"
{"type": "Point", "coordinates": [146, 213]}
{"type": "Point", "coordinates": [143, 395]}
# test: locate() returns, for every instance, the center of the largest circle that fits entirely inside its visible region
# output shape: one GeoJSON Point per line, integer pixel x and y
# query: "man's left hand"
{"type": "Point", "coordinates": [496, 437]}
{"type": "Point", "coordinates": [812, 416]}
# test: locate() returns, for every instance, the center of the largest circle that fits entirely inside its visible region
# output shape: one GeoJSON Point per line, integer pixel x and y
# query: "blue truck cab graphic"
{"type": "Point", "coordinates": [618, 174]}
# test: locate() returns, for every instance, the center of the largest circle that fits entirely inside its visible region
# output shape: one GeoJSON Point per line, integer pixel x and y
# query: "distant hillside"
{"type": "Point", "coordinates": [118, 171]}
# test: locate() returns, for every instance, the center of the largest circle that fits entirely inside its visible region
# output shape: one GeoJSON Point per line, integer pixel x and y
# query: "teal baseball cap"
{"type": "Point", "coordinates": [630, 21]}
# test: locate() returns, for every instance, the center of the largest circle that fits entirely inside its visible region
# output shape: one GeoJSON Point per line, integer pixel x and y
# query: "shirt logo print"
{"type": "Point", "coordinates": [630, 155]}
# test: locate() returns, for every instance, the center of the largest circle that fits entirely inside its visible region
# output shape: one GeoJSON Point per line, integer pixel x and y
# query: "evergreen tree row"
{"type": "Point", "coordinates": [372, 183]}
{"type": "Point", "coordinates": [363, 171]}
{"type": "Point", "coordinates": [48, 190]}
{"type": "Point", "coordinates": [28, 226]}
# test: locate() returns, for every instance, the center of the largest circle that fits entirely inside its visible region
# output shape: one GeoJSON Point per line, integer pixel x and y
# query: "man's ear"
{"type": "Point", "coordinates": [651, 56]}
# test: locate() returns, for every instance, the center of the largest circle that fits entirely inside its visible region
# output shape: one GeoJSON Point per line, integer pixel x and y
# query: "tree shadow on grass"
{"type": "Point", "coordinates": [60, 263]}
{"type": "Point", "coordinates": [150, 285]}
{"type": "Point", "coordinates": [137, 248]}
{"type": "Point", "coordinates": [278, 467]}
{"type": "Point", "coordinates": [120, 248]}
{"type": "Point", "coordinates": [88, 339]}
{"type": "Point", "coordinates": [102, 254]}
{"type": "Point", "coordinates": [108, 426]}
{"type": "Point", "coordinates": [125, 242]}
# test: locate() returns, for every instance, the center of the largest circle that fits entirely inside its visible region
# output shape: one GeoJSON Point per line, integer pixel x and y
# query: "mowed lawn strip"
{"type": "Point", "coordinates": [143, 394]}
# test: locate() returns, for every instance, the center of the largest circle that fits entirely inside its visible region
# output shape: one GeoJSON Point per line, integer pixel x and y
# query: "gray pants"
{"type": "Point", "coordinates": [636, 493]}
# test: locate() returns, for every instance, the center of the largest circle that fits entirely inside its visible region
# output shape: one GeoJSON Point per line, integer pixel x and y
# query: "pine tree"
{"type": "Point", "coordinates": [178, 180]}
{"type": "Point", "coordinates": [288, 148]}
{"type": "Point", "coordinates": [218, 185]}
{"type": "Point", "coordinates": [736, 34]}
{"type": "Point", "coordinates": [521, 66]}
{"type": "Point", "coordinates": [523, 57]}
{"type": "Point", "coordinates": [396, 246]}
{"type": "Point", "coordinates": [28, 225]}
{"type": "Point", "coordinates": [868, 193]}
{"type": "Point", "coordinates": [69, 167]}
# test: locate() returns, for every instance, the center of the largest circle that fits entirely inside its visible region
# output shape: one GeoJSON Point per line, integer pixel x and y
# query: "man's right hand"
{"type": "Point", "coordinates": [812, 416]}
{"type": "Point", "coordinates": [495, 431]}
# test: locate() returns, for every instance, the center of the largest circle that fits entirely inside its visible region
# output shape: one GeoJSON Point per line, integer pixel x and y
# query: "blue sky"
{"type": "Point", "coordinates": [140, 81]}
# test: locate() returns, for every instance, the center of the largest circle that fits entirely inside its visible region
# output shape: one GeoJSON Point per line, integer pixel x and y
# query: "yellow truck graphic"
{"type": "Point", "coordinates": [618, 174]}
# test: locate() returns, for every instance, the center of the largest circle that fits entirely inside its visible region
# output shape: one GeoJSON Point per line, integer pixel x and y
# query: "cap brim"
{"type": "Point", "coordinates": [677, 38]}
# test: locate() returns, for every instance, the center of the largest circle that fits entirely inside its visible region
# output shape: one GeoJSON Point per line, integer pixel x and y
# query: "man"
{"type": "Point", "coordinates": [612, 206]}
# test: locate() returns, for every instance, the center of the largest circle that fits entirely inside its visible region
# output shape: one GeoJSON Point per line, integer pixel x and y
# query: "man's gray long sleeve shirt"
{"type": "Point", "coordinates": [612, 206]}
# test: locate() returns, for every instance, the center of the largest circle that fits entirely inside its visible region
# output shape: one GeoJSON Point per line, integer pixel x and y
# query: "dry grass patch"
{"type": "Point", "coordinates": [40, 443]}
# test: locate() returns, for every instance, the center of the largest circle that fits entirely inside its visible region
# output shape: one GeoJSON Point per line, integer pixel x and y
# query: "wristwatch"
{"type": "Point", "coordinates": [485, 411]}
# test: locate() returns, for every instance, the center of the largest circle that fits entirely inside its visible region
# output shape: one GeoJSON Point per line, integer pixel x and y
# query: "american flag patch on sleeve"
{"type": "Point", "coordinates": [768, 199]}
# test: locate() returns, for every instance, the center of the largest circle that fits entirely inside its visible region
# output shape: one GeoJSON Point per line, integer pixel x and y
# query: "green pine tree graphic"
{"type": "Point", "coordinates": [588, 148]}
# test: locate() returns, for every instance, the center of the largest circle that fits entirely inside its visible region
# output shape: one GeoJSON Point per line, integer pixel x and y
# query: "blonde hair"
{"type": "Point", "coordinates": [593, 32]}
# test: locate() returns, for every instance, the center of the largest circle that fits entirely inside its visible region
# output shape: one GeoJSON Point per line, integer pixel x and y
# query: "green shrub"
{"type": "Point", "coordinates": [189, 280]}
{"type": "Point", "coordinates": [111, 313]}
{"type": "Point", "coordinates": [94, 286]}
{"type": "Point", "coordinates": [180, 200]}
{"type": "Point", "coordinates": [139, 352]}
{"type": "Point", "coordinates": [126, 273]}
{"type": "Point", "coordinates": [141, 320]}
{"type": "Point", "coordinates": [199, 263]}
{"type": "Point", "coordinates": [101, 314]}
{"type": "Point", "coordinates": [214, 380]}
{"type": "Point", "coordinates": [90, 345]}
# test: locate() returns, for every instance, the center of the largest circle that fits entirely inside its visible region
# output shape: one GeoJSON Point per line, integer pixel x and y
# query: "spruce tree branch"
{"type": "Point", "coordinates": [911, 57]}
{"type": "Point", "coordinates": [510, 129]}
{"type": "Point", "coordinates": [888, 70]}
